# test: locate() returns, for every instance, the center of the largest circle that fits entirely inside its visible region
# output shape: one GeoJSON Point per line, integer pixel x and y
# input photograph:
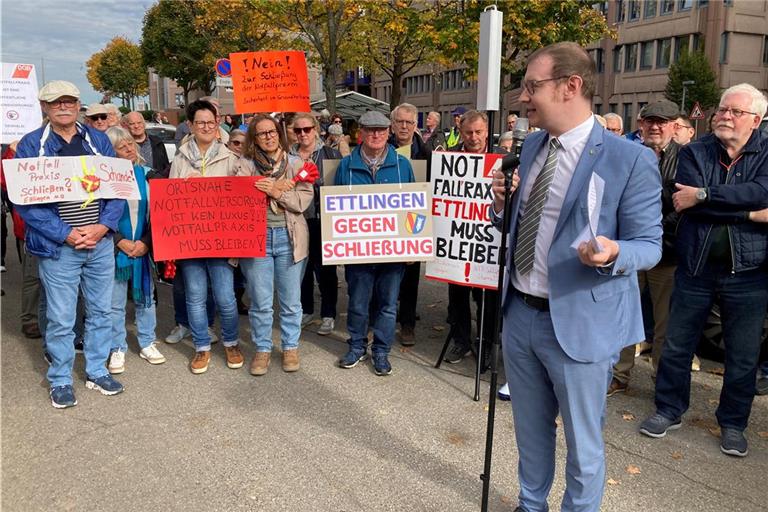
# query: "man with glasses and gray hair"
{"type": "Point", "coordinates": [614, 123]}
{"type": "Point", "coordinates": [722, 244]}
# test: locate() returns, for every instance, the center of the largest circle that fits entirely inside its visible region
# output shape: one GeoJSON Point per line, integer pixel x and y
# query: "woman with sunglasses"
{"type": "Point", "coordinates": [236, 141]}
{"type": "Point", "coordinates": [201, 156]}
{"type": "Point", "coordinates": [287, 245]}
{"type": "Point", "coordinates": [310, 148]}
{"type": "Point", "coordinates": [133, 263]}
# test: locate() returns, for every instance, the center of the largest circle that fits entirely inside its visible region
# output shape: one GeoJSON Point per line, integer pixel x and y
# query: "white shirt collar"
{"type": "Point", "coordinates": [577, 134]}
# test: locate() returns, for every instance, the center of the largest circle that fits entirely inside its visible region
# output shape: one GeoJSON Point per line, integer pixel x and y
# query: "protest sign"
{"type": "Point", "coordinates": [466, 244]}
{"type": "Point", "coordinates": [207, 218]}
{"type": "Point", "coordinates": [376, 223]}
{"type": "Point", "coordinates": [19, 108]}
{"type": "Point", "coordinates": [69, 178]}
{"type": "Point", "coordinates": [273, 81]}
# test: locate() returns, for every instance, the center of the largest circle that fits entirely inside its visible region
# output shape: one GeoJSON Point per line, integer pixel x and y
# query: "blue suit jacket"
{"type": "Point", "coordinates": [596, 312]}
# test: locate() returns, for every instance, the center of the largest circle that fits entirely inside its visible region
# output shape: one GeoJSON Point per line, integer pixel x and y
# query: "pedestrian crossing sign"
{"type": "Point", "coordinates": [696, 112]}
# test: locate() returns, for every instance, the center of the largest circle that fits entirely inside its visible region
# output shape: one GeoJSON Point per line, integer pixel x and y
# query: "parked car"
{"type": "Point", "coordinates": [166, 133]}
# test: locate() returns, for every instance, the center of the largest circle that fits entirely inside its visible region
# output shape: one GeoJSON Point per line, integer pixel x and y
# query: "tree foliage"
{"type": "Point", "coordinates": [528, 25]}
{"type": "Point", "coordinates": [118, 70]}
{"type": "Point", "coordinates": [173, 46]}
{"type": "Point", "coordinates": [692, 66]}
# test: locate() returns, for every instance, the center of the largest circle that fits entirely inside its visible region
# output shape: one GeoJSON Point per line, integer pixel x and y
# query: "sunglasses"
{"type": "Point", "coordinates": [305, 129]}
{"type": "Point", "coordinates": [236, 142]}
{"type": "Point", "coordinates": [98, 117]}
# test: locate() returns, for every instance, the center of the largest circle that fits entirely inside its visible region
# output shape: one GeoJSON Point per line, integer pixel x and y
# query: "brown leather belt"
{"type": "Point", "coordinates": [534, 302]}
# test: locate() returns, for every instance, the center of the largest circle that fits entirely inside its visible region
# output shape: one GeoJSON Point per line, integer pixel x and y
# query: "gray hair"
{"type": "Point", "coordinates": [117, 135]}
{"type": "Point", "coordinates": [506, 136]}
{"type": "Point", "coordinates": [759, 104]}
{"type": "Point", "coordinates": [405, 107]}
{"type": "Point", "coordinates": [236, 132]}
{"type": "Point", "coordinates": [614, 115]}
{"type": "Point", "coordinates": [436, 115]}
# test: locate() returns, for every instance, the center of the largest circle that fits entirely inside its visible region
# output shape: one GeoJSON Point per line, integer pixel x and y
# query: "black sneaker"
{"type": "Point", "coordinates": [733, 442]}
{"type": "Point", "coordinates": [381, 364]}
{"type": "Point", "coordinates": [353, 357]}
{"type": "Point", "coordinates": [657, 425]}
{"type": "Point", "coordinates": [63, 397]}
{"type": "Point", "coordinates": [78, 347]}
{"type": "Point", "coordinates": [762, 386]}
{"type": "Point", "coordinates": [457, 353]}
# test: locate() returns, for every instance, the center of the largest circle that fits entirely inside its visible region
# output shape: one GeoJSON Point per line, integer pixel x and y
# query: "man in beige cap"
{"type": "Point", "coordinates": [74, 247]}
{"type": "Point", "coordinates": [97, 116]}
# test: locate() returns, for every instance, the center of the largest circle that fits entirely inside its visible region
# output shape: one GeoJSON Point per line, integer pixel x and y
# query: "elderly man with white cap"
{"type": "Point", "coordinates": [74, 247]}
{"type": "Point", "coordinates": [97, 116]}
{"type": "Point", "coordinates": [372, 162]}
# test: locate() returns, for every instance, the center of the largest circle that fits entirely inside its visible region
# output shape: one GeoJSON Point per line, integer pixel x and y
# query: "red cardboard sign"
{"type": "Point", "coordinates": [207, 218]}
{"type": "Point", "coordinates": [272, 81]}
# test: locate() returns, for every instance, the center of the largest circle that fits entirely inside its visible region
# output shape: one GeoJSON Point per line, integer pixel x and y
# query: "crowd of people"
{"type": "Point", "coordinates": [683, 226]}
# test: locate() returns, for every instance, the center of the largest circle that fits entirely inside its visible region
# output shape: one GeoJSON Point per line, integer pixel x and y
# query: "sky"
{"type": "Point", "coordinates": [61, 35]}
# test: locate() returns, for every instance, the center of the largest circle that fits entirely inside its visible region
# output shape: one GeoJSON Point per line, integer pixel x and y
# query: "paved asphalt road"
{"type": "Point", "coordinates": [327, 439]}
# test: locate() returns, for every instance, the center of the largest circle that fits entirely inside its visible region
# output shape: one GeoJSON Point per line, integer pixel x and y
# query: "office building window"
{"type": "Point", "coordinates": [602, 7]}
{"type": "Point", "coordinates": [597, 56]}
{"type": "Point", "coordinates": [617, 59]}
{"type": "Point", "coordinates": [634, 10]}
{"type": "Point", "coordinates": [727, 3]}
{"type": "Point", "coordinates": [663, 51]}
{"type": "Point", "coordinates": [650, 9]}
{"type": "Point", "coordinates": [613, 107]}
{"type": "Point", "coordinates": [703, 3]}
{"type": "Point", "coordinates": [640, 106]}
{"type": "Point", "coordinates": [724, 48]}
{"type": "Point", "coordinates": [630, 57]}
{"type": "Point", "coordinates": [626, 114]}
{"type": "Point", "coordinates": [684, 5]}
{"type": "Point", "coordinates": [696, 45]}
{"type": "Point", "coordinates": [646, 55]}
{"type": "Point", "coordinates": [598, 108]}
{"type": "Point", "coordinates": [681, 46]}
{"type": "Point", "coordinates": [620, 7]}
{"type": "Point", "coordinates": [765, 50]}
{"type": "Point", "coordinates": [667, 6]}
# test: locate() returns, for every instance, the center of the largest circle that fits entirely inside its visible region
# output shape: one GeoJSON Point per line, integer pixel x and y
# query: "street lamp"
{"type": "Point", "coordinates": [686, 83]}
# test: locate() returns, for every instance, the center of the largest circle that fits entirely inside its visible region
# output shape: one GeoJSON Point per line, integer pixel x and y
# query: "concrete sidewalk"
{"type": "Point", "coordinates": [327, 439]}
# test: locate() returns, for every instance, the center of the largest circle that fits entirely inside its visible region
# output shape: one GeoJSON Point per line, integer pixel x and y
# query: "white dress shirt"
{"type": "Point", "coordinates": [536, 282]}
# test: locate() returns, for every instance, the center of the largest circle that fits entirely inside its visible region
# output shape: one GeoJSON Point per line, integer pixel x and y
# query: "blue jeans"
{"type": "Point", "coordinates": [380, 281]}
{"type": "Point", "coordinates": [743, 299]}
{"type": "Point", "coordinates": [196, 274]}
{"type": "Point", "coordinates": [146, 318]}
{"type": "Point", "coordinates": [261, 275]}
{"type": "Point", "coordinates": [93, 272]}
{"type": "Point", "coordinates": [180, 302]}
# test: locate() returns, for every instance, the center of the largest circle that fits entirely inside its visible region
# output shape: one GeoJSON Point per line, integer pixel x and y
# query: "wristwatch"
{"type": "Point", "coordinates": [701, 194]}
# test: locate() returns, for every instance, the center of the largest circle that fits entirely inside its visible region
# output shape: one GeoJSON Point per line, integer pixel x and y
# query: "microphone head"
{"type": "Point", "coordinates": [521, 128]}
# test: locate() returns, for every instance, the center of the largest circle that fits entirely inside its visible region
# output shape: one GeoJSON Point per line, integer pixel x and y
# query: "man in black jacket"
{"type": "Point", "coordinates": [722, 243]}
{"type": "Point", "coordinates": [151, 148]}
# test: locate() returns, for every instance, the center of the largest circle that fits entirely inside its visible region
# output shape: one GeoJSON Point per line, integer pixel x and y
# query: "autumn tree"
{"type": "Point", "coordinates": [173, 46]}
{"type": "Point", "coordinates": [118, 70]}
{"type": "Point", "coordinates": [397, 36]}
{"type": "Point", "coordinates": [232, 26]}
{"type": "Point", "coordinates": [695, 67]}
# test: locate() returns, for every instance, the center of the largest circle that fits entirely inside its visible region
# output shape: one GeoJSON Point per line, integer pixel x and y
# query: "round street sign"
{"type": "Point", "coordinates": [223, 67]}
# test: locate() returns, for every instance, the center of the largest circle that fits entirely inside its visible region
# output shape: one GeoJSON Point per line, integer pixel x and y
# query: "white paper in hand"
{"type": "Point", "coordinates": [594, 203]}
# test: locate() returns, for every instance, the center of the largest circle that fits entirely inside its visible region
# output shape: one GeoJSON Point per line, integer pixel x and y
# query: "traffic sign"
{"type": "Point", "coordinates": [224, 81]}
{"type": "Point", "coordinates": [223, 67]}
{"type": "Point", "coordinates": [696, 112]}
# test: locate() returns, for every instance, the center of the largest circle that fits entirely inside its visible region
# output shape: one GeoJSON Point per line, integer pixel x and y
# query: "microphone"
{"type": "Point", "coordinates": [510, 162]}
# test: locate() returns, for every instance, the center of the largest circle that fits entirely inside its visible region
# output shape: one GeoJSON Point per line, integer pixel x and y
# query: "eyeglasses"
{"type": "Point", "coordinates": [267, 134]}
{"type": "Point", "coordinates": [530, 86]}
{"type": "Point", "coordinates": [337, 121]}
{"type": "Point", "coordinates": [679, 125]}
{"type": "Point", "coordinates": [62, 103]}
{"type": "Point", "coordinates": [650, 121]}
{"type": "Point", "coordinates": [303, 129]}
{"type": "Point", "coordinates": [735, 112]}
{"type": "Point", "coordinates": [614, 130]}
{"type": "Point", "coordinates": [404, 122]}
{"type": "Point", "coordinates": [236, 142]}
{"type": "Point", "coordinates": [98, 117]}
{"type": "Point", "coordinates": [205, 124]}
{"type": "Point", "coordinates": [375, 130]}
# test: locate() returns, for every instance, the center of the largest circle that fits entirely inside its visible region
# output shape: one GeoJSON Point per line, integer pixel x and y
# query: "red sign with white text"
{"type": "Point", "coordinates": [207, 218]}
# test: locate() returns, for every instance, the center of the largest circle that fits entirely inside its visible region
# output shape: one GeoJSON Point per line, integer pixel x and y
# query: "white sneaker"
{"type": "Point", "coordinates": [116, 362]}
{"type": "Point", "coordinates": [305, 320]}
{"type": "Point", "coordinates": [212, 334]}
{"type": "Point", "coordinates": [2, 268]}
{"type": "Point", "coordinates": [152, 355]}
{"type": "Point", "coordinates": [327, 326]}
{"type": "Point", "coordinates": [177, 334]}
{"type": "Point", "coordinates": [504, 392]}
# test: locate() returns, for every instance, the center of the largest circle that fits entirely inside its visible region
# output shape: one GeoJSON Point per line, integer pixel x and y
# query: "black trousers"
{"type": "Point", "coordinates": [409, 294]}
{"type": "Point", "coordinates": [325, 276]}
{"type": "Point", "coordinates": [460, 314]}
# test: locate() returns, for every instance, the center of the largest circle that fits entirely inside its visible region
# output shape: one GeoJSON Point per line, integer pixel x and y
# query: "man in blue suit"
{"type": "Point", "coordinates": [571, 300]}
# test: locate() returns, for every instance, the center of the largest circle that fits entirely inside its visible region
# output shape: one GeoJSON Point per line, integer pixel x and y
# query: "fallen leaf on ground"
{"type": "Point", "coordinates": [716, 371]}
{"type": "Point", "coordinates": [404, 350]}
{"type": "Point", "coordinates": [628, 416]}
{"type": "Point", "coordinates": [433, 305]}
{"type": "Point", "coordinates": [713, 401]}
{"type": "Point", "coordinates": [506, 499]}
{"type": "Point", "coordinates": [764, 435]}
{"type": "Point", "coordinates": [633, 470]}
{"type": "Point", "coordinates": [715, 431]}
{"type": "Point", "coordinates": [611, 481]}
{"type": "Point", "coordinates": [677, 455]}
{"type": "Point", "coordinates": [438, 328]}
{"type": "Point", "coordinates": [456, 438]}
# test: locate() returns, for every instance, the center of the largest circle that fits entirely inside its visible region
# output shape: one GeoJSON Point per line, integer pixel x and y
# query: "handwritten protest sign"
{"type": "Point", "coordinates": [466, 244]}
{"type": "Point", "coordinates": [69, 178]}
{"type": "Point", "coordinates": [207, 218]}
{"type": "Point", "coordinates": [376, 223]}
{"type": "Point", "coordinates": [270, 81]}
{"type": "Point", "coordinates": [18, 101]}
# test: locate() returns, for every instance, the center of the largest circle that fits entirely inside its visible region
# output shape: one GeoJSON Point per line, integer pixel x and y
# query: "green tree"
{"type": "Point", "coordinates": [692, 66]}
{"type": "Point", "coordinates": [172, 45]}
{"type": "Point", "coordinates": [120, 70]}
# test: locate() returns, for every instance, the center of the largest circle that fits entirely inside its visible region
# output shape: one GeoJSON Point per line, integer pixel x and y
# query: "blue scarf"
{"type": "Point", "coordinates": [136, 270]}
